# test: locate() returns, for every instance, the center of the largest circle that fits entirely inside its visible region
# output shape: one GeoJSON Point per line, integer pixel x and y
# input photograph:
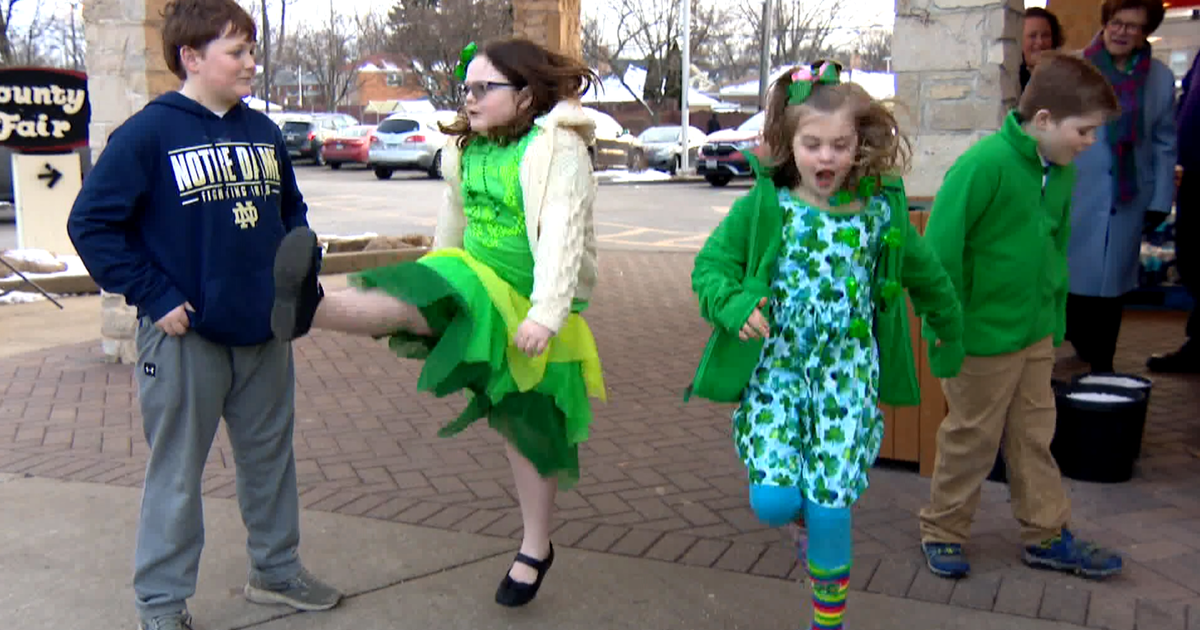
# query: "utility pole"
{"type": "Point", "coordinates": [685, 117]}
{"type": "Point", "coordinates": [764, 56]}
{"type": "Point", "coordinates": [266, 49]}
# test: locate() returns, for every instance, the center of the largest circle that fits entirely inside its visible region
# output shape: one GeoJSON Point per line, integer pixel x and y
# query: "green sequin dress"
{"type": "Point", "coordinates": [474, 298]}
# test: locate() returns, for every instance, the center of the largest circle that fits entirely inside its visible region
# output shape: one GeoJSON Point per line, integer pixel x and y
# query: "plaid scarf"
{"type": "Point", "coordinates": [1123, 131]}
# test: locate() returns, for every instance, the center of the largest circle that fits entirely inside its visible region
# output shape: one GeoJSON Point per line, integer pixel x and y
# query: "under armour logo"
{"type": "Point", "coordinates": [245, 214]}
{"type": "Point", "coordinates": [149, 369]}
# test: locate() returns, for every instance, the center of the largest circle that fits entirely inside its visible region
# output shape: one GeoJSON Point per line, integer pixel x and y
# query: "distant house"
{"type": "Point", "coordinates": [378, 79]}
{"type": "Point", "coordinates": [611, 91]}
{"type": "Point", "coordinates": [878, 84]}
{"type": "Point", "coordinates": [386, 78]}
{"type": "Point", "coordinates": [292, 90]}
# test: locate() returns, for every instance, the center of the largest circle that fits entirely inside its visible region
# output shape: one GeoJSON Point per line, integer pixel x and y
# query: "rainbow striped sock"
{"type": "Point", "coordinates": [829, 596]}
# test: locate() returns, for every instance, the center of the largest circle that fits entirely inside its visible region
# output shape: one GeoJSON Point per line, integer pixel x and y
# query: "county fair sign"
{"type": "Point", "coordinates": [44, 117]}
{"type": "Point", "coordinates": [43, 110]}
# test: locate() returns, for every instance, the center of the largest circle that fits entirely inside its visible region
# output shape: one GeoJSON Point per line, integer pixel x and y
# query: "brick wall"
{"type": "Point", "coordinates": [552, 23]}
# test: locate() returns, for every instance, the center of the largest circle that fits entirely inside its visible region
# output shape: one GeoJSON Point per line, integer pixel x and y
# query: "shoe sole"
{"type": "Point", "coordinates": [293, 262]}
{"type": "Point", "coordinates": [261, 596]}
{"type": "Point", "coordinates": [942, 573]}
{"type": "Point", "coordinates": [1052, 565]}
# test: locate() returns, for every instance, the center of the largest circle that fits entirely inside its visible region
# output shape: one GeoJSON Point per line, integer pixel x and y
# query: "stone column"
{"type": "Point", "coordinates": [552, 23]}
{"type": "Point", "coordinates": [1080, 20]}
{"type": "Point", "coordinates": [125, 70]}
{"type": "Point", "coordinates": [956, 65]}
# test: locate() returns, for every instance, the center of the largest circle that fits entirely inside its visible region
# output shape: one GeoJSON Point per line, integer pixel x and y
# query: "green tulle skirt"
{"type": "Point", "coordinates": [540, 405]}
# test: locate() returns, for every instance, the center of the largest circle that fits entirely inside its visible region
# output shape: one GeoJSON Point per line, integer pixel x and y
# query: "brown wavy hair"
{"type": "Point", "coordinates": [547, 78]}
{"type": "Point", "coordinates": [882, 149]}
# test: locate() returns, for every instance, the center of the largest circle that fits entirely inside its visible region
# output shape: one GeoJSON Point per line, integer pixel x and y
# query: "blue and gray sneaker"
{"type": "Point", "coordinates": [946, 559]}
{"type": "Point", "coordinates": [1066, 553]}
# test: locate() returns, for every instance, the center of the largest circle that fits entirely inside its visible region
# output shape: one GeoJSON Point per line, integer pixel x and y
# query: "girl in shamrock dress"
{"type": "Point", "coordinates": [494, 308]}
{"type": "Point", "coordinates": [804, 283]}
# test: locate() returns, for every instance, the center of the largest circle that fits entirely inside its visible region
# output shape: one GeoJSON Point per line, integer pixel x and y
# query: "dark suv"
{"type": "Point", "coordinates": [305, 134]}
{"type": "Point", "coordinates": [721, 157]}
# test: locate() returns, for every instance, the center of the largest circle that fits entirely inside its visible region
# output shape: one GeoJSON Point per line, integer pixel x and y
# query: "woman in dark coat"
{"type": "Point", "coordinates": [1042, 32]}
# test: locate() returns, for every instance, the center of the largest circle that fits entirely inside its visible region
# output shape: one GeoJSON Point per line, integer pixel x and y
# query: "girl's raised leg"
{"type": "Point", "coordinates": [301, 303]}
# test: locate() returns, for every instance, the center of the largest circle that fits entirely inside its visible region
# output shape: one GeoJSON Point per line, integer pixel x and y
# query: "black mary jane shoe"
{"type": "Point", "coordinates": [513, 593]}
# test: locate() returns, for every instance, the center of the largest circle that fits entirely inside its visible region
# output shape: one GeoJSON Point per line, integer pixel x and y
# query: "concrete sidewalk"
{"type": "Point", "coordinates": [663, 496]}
{"type": "Point", "coordinates": [66, 553]}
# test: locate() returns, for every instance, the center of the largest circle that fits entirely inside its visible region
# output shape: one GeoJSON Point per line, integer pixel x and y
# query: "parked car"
{"type": "Point", "coordinates": [664, 151]}
{"type": "Point", "coordinates": [721, 158]}
{"type": "Point", "coordinates": [409, 141]}
{"type": "Point", "coordinates": [305, 134]}
{"type": "Point", "coordinates": [350, 145]}
{"type": "Point", "coordinates": [614, 147]}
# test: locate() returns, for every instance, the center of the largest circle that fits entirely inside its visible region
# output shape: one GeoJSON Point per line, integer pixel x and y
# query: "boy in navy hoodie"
{"type": "Point", "coordinates": [182, 215]}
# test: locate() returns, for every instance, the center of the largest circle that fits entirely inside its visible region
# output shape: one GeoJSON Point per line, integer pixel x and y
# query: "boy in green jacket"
{"type": "Point", "coordinates": [804, 284]}
{"type": "Point", "coordinates": [1000, 226]}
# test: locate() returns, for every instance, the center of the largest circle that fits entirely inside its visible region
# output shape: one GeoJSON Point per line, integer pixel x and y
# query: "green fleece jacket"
{"type": "Point", "coordinates": [736, 266]}
{"type": "Point", "coordinates": [1003, 238]}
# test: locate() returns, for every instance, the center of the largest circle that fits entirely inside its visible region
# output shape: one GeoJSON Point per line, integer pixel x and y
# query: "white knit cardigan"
{"type": "Point", "coordinates": [559, 189]}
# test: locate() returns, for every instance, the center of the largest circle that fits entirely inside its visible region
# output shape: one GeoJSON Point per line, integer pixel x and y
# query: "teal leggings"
{"type": "Point", "coordinates": [829, 529]}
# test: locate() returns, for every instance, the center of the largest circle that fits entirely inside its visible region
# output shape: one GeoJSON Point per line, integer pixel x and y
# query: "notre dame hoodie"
{"type": "Point", "coordinates": [185, 205]}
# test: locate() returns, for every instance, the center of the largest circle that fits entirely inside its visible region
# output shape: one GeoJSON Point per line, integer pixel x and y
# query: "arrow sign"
{"type": "Point", "coordinates": [51, 176]}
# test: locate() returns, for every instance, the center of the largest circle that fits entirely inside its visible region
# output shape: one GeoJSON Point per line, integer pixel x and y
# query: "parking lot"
{"type": "Point", "coordinates": [647, 217]}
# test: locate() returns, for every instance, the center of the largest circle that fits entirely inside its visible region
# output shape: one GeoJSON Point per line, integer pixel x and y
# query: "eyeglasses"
{"type": "Point", "coordinates": [481, 89]}
{"type": "Point", "coordinates": [1132, 28]}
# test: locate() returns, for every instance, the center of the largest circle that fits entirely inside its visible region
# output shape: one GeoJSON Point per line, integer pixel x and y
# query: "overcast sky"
{"type": "Point", "coordinates": [862, 14]}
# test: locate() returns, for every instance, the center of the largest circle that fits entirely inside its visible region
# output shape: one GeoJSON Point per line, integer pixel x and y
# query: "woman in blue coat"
{"type": "Point", "coordinates": [1124, 182]}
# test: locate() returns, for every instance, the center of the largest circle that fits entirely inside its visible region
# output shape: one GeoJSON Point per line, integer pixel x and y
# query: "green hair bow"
{"type": "Point", "coordinates": [464, 58]}
{"type": "Point", "coordinates": [806, 77]}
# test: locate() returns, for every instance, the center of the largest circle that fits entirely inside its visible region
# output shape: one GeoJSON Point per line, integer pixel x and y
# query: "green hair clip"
{"type": "Point", "coordinates": [464, 58]}
{"type": "Point", "coordinates": [823, 71]}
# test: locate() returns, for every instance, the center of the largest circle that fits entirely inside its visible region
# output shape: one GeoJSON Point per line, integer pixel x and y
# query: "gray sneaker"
{"type": "Point", "coordinates": [303, 592]}
{"type": "Point", "coordinates": [181, 621]}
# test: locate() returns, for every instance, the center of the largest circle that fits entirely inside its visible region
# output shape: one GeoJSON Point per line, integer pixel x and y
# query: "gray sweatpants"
{"type": "Point", "coordinates": [185, 386]}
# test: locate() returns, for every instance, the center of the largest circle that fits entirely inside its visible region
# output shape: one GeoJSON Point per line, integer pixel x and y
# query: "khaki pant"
{"type": "Point", "coordinates": [1005, 397]}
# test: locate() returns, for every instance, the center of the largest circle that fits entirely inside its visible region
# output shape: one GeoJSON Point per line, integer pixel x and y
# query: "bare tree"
{"type": "Point", "coordinates": [329, 53]}
{"type": "Point", "coordinates": [53, 37]}
{"type": "Point", "coordinates": [874, 50]}
{"type": "Point", "coordinates": [6, 47]}
{"type": "Point", "coordinates": [371, 33]}
{"type": "Point", "coordinates": [649, 33]}
{"type": "Point", "coordinates": [432, 33]}
{"type": "Point", "coordinates": [608, 57]}
{"type": "Point", "coordinates": [801, 28]}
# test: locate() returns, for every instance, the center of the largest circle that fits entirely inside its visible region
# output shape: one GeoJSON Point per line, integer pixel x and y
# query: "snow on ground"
{"type": "Point", "coordinates": [626, 176]}
{"type": "Point", "coordinates": [21, 297]}
{"type": "Point", "coordinates": [74, 264]}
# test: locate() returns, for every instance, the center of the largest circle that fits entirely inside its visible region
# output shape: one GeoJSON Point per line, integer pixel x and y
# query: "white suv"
{"type": "Point", "coordinates": [409, 141]}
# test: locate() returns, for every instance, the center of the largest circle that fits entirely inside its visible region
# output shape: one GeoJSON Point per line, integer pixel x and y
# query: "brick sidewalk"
{"type": "Point", "coordinates": [661, 479]}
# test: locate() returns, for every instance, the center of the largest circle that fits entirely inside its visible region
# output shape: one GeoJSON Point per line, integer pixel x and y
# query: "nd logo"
{"type": "Point", "coordinates": [245, 214]}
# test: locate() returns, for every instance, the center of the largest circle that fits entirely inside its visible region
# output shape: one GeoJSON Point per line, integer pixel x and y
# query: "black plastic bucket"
{"type": "Point", "coordinates": [1098, 433]}
{"type": "Point", "coordinates": [1000, 469]}
{"type": "Point", "coordinates": [1123, 381]}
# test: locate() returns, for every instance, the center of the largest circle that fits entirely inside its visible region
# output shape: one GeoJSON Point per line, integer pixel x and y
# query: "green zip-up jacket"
{"type": "Point", "coordinates": [1003, 239]}
{"type": "Point", "coordinates": [736, 266]}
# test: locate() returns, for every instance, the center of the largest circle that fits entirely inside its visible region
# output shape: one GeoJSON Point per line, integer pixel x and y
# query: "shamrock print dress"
{"type": "Point", "coordinates": [809, 417]}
